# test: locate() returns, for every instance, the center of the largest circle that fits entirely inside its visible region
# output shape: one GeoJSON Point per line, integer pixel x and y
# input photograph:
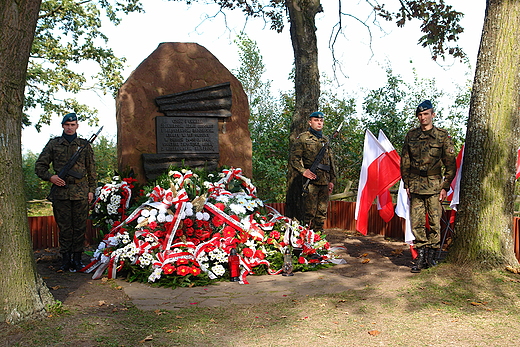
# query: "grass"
{"type": "Point", "coordinates": [440, 307]}
{"type": "Point", "coordinates": [39, 208]}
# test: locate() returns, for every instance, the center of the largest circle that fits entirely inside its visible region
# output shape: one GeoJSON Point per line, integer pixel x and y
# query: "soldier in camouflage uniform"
{"type": "Point", "coordinates": [70, 201]}
{"type": "Point", "coordinates": [304, 151]}
{"type": "Point", "coordinates": [427, 150]}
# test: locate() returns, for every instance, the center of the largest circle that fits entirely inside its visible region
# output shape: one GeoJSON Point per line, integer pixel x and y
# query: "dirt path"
{"type": "Point", "coordinates": [371, 261]}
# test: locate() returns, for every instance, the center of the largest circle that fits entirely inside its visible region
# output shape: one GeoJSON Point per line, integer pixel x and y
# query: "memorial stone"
{"type": "Point", "coordinates": [182, 106]}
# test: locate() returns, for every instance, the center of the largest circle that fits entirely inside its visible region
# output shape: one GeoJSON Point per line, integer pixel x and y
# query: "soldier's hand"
{"type": "Point", "coordinates": [309, 174]}
{"type": "Point", "coordinates": [331, 187]}
{"type": "Point", "coordinates": [442, 195]}
{"type": "Point", "coordinates": [55, 179]}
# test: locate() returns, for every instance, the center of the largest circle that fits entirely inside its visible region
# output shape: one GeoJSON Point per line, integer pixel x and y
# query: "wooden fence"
{"type": "Point", "coordinates": [44, 231]}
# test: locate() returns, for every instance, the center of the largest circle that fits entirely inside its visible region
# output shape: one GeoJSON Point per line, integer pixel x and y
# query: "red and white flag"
{"type": "Point", "coordinates": [518, 164]}
{"type": "Point", "coordinates": [453, 194]}
{"type": "Point", "coordinates": [385, 204]}
{"type": "Point", "coordinates": [379, 171]}
{"type": "Point", "coordinates": [402, 209]}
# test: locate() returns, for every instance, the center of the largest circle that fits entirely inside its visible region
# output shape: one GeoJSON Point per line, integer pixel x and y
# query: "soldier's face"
{"type": "Point", "coordinates": [425, 119]}
{"type": "Point", "coordinates": [69, 128]}
{"type": "Point", "coordinates": [316, 123]}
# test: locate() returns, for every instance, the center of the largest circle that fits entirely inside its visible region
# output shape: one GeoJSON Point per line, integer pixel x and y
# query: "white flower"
{"type": "Point", "coordinates": [145, 213]}
{"type": "Point", "coordinates": [169, 218]}
{"type": "Point", "coordinates": [155, 275]}
{"type": "Point", "coordinates": [237, 209]}
{"type": "Point", "coordinates": [206, 216]}
{"type": "Point", "coordinates": [161, 218]}
{"type": "Point", "coordinates": [153, 212]}
{"type": "Point", "coordinates": [188, 212]}
{"type": "Point", "coordinates": [140, 220]}
{"type": "Point", "coordinates": [218, 270]}
{"type": "Point", "coordinates": [199, 216]}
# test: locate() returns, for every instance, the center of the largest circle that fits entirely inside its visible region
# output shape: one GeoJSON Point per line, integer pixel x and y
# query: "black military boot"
{"type": "Point", "coordinates": [419, 261]}
{"type": "Point", "coordinates": [65, 262]}
{"type": "Point", "coordinates": [76, 262]}
{"type": "Point", "coordinates": [431, 259]}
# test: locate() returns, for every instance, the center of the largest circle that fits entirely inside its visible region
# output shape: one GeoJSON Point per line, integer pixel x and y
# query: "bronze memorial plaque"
{"type": "Point", "coordinates": [187, 135]}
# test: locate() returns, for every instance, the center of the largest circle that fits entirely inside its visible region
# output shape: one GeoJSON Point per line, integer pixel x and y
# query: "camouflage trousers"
{"type": "Point", "coordinates": [420, 206]}
{"type": "Point", "coordinates": [71, 217]}
{"type": "Point", "coordinates": [315, 205]}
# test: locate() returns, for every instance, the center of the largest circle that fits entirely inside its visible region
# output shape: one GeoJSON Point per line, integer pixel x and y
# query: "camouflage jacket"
{"type": "Point", "coordinates": [428, 161]}
{"type": "Point", "coordinates": [304, 150]}
{"type": "Point", "coordinates": [57, 152]}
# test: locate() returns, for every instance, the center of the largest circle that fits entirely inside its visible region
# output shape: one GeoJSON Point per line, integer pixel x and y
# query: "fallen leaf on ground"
{"type": "Point", "coordinates": [476, 303]}
{"type": "Point", "coordinates": [147, 338]}
{"type": "Point", "coordinates": [374, 332]}
{"type": "Point", "coordinates": [364, 261]}
{"type": "Point", "coordinates": [101, 302]}
{"type": "Point", "coordinates": [397, 252]}
{"type": "Point", "coordinates": [55, 287]}
{"type": "Point", "coordinates": [363, 255]}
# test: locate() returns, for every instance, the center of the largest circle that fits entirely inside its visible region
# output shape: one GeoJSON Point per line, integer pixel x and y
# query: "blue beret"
{"type": "Point", "coordinates": [423, 106]}
{"type": "Point", "coordinates": [70, 117]}
{"type": "Point", "coordinates": [317, 115]}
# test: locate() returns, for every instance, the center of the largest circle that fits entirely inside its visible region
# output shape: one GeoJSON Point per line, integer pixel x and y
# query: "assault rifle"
{"type": "Point", "coordinates": [67, 169]}
{"type": "Point", "coordinates": [315, 164]}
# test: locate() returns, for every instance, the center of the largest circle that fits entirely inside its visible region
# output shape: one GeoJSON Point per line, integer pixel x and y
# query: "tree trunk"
{"type": "Point", "coordinates": [302, 15]}
{"type": "Point", "coordinates": [23, 294]}
{"type": "Point", "coordinates": [484, 229]}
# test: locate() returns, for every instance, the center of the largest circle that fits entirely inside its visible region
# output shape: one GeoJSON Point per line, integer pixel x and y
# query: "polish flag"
{"type": "Point", "coordinates": [384, 199]}
{"type": "Point", "coordinates": [518, 164]}
{"type": "Point", "coordinates": [453, 194]}
{"type": "Point", "coordinates": [379, 171]}
{"type": "Point", "coordinates": [402, 209]}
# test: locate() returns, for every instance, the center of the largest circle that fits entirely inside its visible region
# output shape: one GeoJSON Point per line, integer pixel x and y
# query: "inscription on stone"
{"type": "Point", "coordinates": [187, 135]}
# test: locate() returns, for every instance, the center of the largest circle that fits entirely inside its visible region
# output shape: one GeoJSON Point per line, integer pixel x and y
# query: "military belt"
{"type": "Point", "coordinates": [425, 173]}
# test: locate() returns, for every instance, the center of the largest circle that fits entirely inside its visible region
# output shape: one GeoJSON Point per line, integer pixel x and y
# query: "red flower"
{"type": "Point", "coordinates": [182, 261]}
{"type": "Point", "coordinates": [188, 223]}
{"type": "Point", "coordinates": [190, 231]}
{"type": "Point", "coordinates": [202, 234]}
{"type": "Point", "coordinates": [160, 234]}
{"type": "Point", "coordinates": [270, 241]}
{"type": "Point", "coordinates": [326, 245]}
{"type": "Point", "coordinates": [314, 261]}
{"type": "Point", "coordinates": [283, 244]}
{"type": "Point", "coordinates": [218, 221]}
{"type": "Point", "coordinates": [228, 232]}
{"type": "Point", "coordinates": [274, 234]}
{"type": "Point", "coordinates": [183, 270]}
{"type": "Point", "coordinates": [168, 269]}
{"type": "Point", "coordinates": [152, 225]}
{"type": "Point", "coordinates": [243, 236]}
{"type": "Point", "coordinates": [259, 254]}
{"type": "Point", "coordinates": [247, 252]}
{"type": "Point", "coordinates": [203, 224]}
{"type": "Point", "coordinates": [195, 271]}
{"type": "Point", "coordinates": [220, 206]}
{"type": "Point", "coordinates": [317, 237]}
{"type": "Point", "coordinates": [301, 260]}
